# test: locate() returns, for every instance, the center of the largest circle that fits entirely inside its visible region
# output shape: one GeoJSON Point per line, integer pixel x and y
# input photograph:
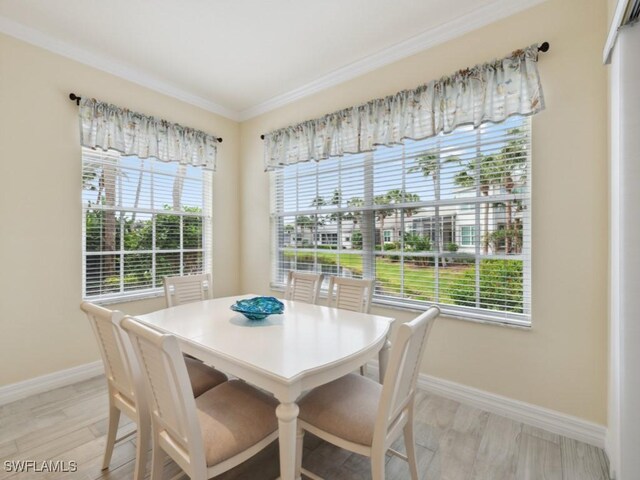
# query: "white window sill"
{"type": "Point", "coordinates": [126, 297]}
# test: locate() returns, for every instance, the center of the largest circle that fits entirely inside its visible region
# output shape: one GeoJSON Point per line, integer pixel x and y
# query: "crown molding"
{"type": "Point", "coordinates": [110, 65]}
{"type": "Point", "coordinates": [434, 36]}
{"type": "Point", "coordinates": [478, 18]}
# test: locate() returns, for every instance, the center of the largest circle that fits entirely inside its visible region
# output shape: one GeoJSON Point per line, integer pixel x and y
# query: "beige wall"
{"type": "Point", "coordinates": [561, 362]}
{"type": "Point", "coordinates": [41, 327]}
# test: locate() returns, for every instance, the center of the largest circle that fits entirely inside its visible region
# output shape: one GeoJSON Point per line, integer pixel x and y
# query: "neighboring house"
{"type": "Point", "coordinates": [458, 225]}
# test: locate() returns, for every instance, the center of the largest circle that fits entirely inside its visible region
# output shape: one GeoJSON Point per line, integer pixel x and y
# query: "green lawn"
{"type": "Point", "coordinates": [500, 286]}
{"type": "Point", "coordinates": [419, 281]}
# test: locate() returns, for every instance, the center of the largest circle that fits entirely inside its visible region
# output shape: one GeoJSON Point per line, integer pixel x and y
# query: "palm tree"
{"type": "Point", "coordinates": [397, 196]}
{"type": "Point", "coordinates": [512, 163]}
{"type": "Point", "coordinates": [381, 214]}
{"type": "Point", "coordinates": [485, 170]}
{"type": "Point", "coordinates": [429, 164]}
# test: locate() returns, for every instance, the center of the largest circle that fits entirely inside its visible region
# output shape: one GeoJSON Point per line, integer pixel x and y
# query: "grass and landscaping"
{"type": "Point", "coordinates": [500, 280]}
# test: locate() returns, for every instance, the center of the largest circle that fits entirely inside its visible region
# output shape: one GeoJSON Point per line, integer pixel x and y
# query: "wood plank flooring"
{"type": "Point", "coordinates": [453, 441]}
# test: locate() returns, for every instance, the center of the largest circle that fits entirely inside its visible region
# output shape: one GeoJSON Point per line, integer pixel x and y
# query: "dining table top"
{"type": "Point", "coordinates": [286, 346]}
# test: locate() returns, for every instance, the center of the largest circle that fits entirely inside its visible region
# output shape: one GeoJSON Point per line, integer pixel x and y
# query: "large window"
{"type": "Point", "coordinates": [143, 219]}
{"type": "Point", "coordinates": [441, 221]}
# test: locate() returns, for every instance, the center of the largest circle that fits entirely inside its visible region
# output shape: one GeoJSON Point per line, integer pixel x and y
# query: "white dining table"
{"type": "Point", "coordinates": [288, 354]}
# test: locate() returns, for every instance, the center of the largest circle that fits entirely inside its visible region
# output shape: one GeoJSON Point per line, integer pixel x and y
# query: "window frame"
{"type": "Point", "coordinates": [479, 314]}
{"type": "Point", "coordinates": [157, 286]}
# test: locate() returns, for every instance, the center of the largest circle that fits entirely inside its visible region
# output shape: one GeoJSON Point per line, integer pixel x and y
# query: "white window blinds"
{"type": "Point", "coordinates": [142, 219]}
{"type": "Point", "coordinates": [445, 221]}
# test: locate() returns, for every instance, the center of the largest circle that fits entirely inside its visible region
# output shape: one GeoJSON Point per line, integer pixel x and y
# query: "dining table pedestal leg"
{"type": "Point", "coordinates": [287, 414]}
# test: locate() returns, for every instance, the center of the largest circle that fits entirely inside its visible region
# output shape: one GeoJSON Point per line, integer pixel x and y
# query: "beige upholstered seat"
{"type": "Point", "coordinates": [303, 287]}
{"type": "Point", "coordinates": [206, 437]}
{"type": "Point", "coordinates": [181, 289]}
{"type": "Point", "coordinates": [202, 377]}
{"type": "Point", "coordinates": [123, 379]}
{"type": "Point", "coordinates": [233, 417]}
{"type": "Point", "coordinates": [359, 415]}
{"type": "Point", "coordinates": [346, 408]}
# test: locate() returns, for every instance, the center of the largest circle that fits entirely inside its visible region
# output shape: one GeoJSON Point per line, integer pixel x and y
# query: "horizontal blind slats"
{"type": "Point", "coordinates": [440, 221]}
{"type": "Point", "coordinates": [142, 220]}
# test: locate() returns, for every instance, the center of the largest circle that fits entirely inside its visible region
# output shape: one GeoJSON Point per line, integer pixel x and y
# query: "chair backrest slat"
{"type": "Point", "coordinates": [115, 349]}
{"type": "Point", "coordinates": [400, 380]}
{"type": "Point", "coordinates": [350, 294]}
{"type": "Point", "coordinates": [179, 290]}
{"type": "Point", "coordinates": [171, 402]}
{"type": "Point", "coordinates": [303, 287]}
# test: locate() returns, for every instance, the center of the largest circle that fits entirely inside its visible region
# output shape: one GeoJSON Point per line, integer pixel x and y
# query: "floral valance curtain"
{"type": "Point", "coordinates": [107, 126]}
{"type": "Point", "coordinates": [488, 92]}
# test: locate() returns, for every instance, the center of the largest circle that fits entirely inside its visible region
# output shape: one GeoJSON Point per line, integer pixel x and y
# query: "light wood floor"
{"type": "Point", "coordinates": [454, 442]}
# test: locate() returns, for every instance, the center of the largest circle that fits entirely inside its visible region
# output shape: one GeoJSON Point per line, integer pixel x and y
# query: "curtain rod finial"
{"type": "Point", "coordinates": [262, 137]}
{"type": "Point", "coordinates": [544, 47]}
{"type": "Point", "coordinates": [75, 98]}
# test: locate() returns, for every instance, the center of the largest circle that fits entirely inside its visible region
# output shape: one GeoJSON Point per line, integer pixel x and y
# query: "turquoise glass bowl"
{"type": "Point", "coordinates": [258, 308]}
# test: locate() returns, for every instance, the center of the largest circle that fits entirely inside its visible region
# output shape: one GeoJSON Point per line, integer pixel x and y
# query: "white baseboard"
{"type": "Point", "coordinates": [33, 386]}
{"type": "Point", "coordinates": [544, 418]}
{"type": "Point", "coordinates": [550, 420]}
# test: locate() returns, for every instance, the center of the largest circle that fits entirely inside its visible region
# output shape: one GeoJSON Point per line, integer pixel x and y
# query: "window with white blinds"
{"type": "Point", "coordinates": [142, 219]}
{"type": "Point", "coordinates": [444, 221]}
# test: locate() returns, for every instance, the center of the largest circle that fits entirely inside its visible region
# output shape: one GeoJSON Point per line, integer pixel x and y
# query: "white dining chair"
{"type": "Point", "coordinates": [350, 293]}
{"type": "Point", "coordinates": [182, 289]}
{"type": "Point", "coordinates": [205, 436]}
{"type": "Point", "coordinates": [362, 416]}
{"type": "Point", "coordinates": [124, 382]}
{"type": "Point", "coordinates": [303, 287]}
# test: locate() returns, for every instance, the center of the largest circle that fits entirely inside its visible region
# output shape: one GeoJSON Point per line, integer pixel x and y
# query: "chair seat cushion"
{"type": "Point", "coordinates": [202, 376]}
{"type": "Point", "coordinates": [346, 408]}
{"type": "Point", "coordinates": [234, 416]}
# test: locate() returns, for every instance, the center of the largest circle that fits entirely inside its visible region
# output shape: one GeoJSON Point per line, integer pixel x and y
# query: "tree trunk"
{"type": "Point", "coordinates": [507, 238]}
{"type": "Point", "coordinates": [136, 202]}
{"type": "Point", "coordinates": [109, 218]}
{"type": "Point", "coordinates": [485, 239]}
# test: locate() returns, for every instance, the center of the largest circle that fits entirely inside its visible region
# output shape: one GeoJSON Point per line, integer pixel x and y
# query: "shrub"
{"type": "Point", "coordinates": [416, 242]}
{"type": "Point", "coordinates": [356, 240]}
{"type": "Point", "coordinates": [500, 286]}
{"type": "Point", "coordinates": [451, 247]}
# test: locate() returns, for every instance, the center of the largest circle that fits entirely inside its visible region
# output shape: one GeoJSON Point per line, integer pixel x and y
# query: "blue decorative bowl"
{"type": "Point", "coordinates": [258, 308]}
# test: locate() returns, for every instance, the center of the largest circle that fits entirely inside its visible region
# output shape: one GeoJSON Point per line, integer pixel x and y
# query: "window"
{"type": "Point", "coordinates": [458, 206]}
{"type": "Point", "coordinates": [467, 235]}
{"type": "Point", "coordinates": [143, 219]}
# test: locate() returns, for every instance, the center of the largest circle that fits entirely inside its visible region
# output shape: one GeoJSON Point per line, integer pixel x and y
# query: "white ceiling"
{"type": "Point", "coordinates": [241, 58]}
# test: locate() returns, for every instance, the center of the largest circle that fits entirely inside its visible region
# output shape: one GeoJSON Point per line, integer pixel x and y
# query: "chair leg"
{"type": "Point", "coordinates": [410, 445]}
{"type": "Point", "coordinates": [114, 420]}
{"type": "Point", "coordinates": [142, 447]}
{"type": "Point", "coordinates": [157, 460]}
{"type": "Point", "coordinates": [299, 445]}
{"type": "Point", "coordinates": [377, 466]}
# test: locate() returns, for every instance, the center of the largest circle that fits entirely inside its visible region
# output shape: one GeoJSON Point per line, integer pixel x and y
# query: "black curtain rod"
{"type": "Point", "coordinates": [544, 47]}
{"type": "Point", "coordinates": [75, 98]}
